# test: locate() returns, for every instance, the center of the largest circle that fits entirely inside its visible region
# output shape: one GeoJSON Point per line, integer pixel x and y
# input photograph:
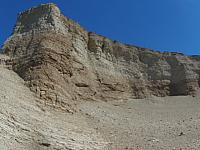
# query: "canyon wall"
{"type": "Point", "coordinates": [63, 63]}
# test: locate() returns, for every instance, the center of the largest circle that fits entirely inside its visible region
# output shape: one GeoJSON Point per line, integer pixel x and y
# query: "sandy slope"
{"type": "Point", "coordinates": [25, 126]}
{"type": "Point", "coordinates": [149, 124]}
{"type": "Point", "coordinates": [171, 123]}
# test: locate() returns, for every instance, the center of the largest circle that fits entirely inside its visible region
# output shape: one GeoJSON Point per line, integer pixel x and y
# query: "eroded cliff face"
{"type": "Point", "coordinates": [63, 63]}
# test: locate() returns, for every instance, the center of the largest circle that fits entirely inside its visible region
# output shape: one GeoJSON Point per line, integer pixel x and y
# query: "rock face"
{"type": "Point", "coordinates": [63, 63]}
{"type": "Point", "coordinates": [25, 124]}
{"type": "Point", "coordinates": [6, 62]}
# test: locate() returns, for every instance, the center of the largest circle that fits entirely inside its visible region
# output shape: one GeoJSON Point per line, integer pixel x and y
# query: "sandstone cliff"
{"type": "Point", "coordinates": [63, 63]}
{"type": "Point", "coordinates": [72, 70]}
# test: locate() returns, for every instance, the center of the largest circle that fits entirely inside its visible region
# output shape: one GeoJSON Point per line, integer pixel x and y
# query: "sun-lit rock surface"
{"type": "Point", "coordinates": [63, 63]}
{"type": "Point", "coordinates": [70, 74]}
{"type": "Point", "coordinates": [27, 124]}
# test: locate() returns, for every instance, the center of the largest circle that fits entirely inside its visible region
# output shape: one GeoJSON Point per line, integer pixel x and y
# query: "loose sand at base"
{"type": "Point", "coordinates": [171, 123]}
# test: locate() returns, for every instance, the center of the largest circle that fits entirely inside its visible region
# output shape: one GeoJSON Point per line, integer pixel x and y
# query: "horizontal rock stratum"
{"type": "Point", "coordinates": [63, 88]}
{"type": "Point", "coordinates": [63, 63]}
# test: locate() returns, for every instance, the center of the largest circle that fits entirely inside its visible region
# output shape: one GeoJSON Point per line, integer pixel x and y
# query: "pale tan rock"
{"type": "Point", "coordinates": [54, 54]}
{"type": "Point", "coordinates": [90, 83]}
{"type": "Point", "coordinates": [28, 124]}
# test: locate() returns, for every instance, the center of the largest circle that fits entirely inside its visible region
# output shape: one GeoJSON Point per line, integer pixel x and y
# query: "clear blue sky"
{"type": "Point", "coordinates": [165, 25]}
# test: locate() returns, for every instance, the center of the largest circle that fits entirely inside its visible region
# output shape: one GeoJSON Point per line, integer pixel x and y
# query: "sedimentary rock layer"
{"type": "Point", "coordinates": [63, 63]}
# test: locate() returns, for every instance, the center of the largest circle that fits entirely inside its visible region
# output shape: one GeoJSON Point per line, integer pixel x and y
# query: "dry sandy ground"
{"type": "Point", "coordinates": [171, 123]}
{"type": "Point", "coordinates": [26, 126]}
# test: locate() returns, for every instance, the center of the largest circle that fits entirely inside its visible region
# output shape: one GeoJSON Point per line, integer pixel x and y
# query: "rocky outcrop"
{"type": "Point", "coordinates": [25, 124]}
{"type": "Point", "coordinates": [63, 63]}
{"type": "Point", "coordinates": [6, 62]}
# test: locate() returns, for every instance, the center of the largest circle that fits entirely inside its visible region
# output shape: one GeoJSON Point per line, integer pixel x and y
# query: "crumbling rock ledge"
{"type": "Point", "coordinates": [6, 62]}
{"type": "Point", "coordinates": [63, 63]}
